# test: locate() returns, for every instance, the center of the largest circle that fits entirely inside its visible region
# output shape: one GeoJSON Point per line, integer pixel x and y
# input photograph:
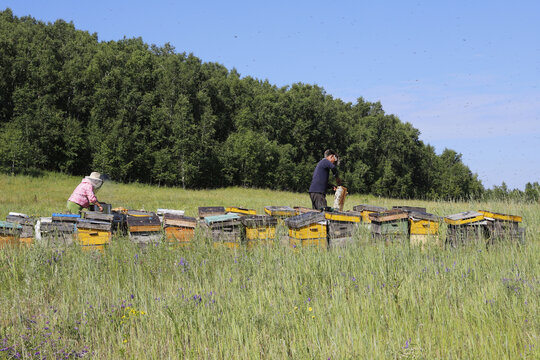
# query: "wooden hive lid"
{"type": "Point", "coordinates": [216, 219]}
{"type": "Point", "coordinates": [418, 215]}
{"type": "Point", "coordinates": [258, 220]}
{"type": "Point", "coordinates": [389, 215]}
{"type": "Point", "coordinates": [306, 219]}
{"type": "Point", "coordinates": [464, 217]}
{"type": "Point", "coordinates": [365, 207]}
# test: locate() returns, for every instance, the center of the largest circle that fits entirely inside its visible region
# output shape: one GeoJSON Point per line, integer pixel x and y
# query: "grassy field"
{"type": "Point", "coordinates": [370, 301]}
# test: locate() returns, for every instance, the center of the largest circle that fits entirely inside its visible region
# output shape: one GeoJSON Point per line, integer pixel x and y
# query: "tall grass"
{"type": "Point", "coordinates": [371, 300]}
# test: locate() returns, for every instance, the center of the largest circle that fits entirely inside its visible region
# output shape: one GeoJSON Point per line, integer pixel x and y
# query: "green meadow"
{"type": "Point", "coordinates": [368, 301]}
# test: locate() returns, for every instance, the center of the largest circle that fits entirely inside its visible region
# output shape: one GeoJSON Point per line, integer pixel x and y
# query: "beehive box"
{"type": "Point", "coordinates": [9, 233]}
{"type": "Point", "coordinates": [259, 230]}
{"type": "Point", "coordinates": [65, 218]}
{"type": "Point", "coordinates": [93, 234]}
{"type": "Point", "coordinates": [27, 223]}
{"type": "Point", "coordinates": [390, 225]}
{"type": "Point", "coordinates": [409, 208]}
{"type": "Point", "coordinates": [240, 211]}
{"type": "Point", "coordinates": [54, 233]}
{"type": "Point", "coordinates": [281, 212]}
{"type": "Point", "coordinates": [224, 230]}
{"type": "Point", "coordinates": [366, 210]}
{"type": "Point", "coordinates": [307, 230]}
{"type": "Point", "coordinates": [205, 211]}
{"type": "Point", "coordinates": [303, 210]}
{"type": "Point", "coordinates": [342, 226]}
{"type": "Point", "coordinates": [143, 227]}
{"type": "Point", "coordinates": [503, 226]}
{"type": "Point", "coordinates": [465, 227]}
{"type": "Point", "coordinates": [423, 228]}
{"type": "Point", "coordinates": [179, 229]}
{"type": "Point", "coordinates": [161, 213]}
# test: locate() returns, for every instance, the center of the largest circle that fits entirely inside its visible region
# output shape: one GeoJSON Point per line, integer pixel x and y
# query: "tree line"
{"type": "Point", "coordinates": [147, 113]}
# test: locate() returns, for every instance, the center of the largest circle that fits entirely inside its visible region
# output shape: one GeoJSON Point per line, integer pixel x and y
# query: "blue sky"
{"type": "Point", "coordinates": [465, 73]}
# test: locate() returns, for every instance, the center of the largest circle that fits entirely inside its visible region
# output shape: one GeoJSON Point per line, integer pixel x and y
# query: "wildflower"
{"type": "Point", "coordinates": [296, 308]}
{"type": "Point", "coordinates": [310, 308]}
{"type": "Point", "coordinates": [125, 341]}
{"type": "Point", "coordinates": [313, 316]}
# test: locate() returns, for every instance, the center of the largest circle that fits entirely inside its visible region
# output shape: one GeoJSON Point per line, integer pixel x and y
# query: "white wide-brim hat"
{"type": "Point", "coordinates": [94, 176]}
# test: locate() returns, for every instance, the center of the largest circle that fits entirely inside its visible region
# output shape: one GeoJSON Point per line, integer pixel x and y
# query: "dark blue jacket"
{"type": "Point", "coordinates": [319, 183]}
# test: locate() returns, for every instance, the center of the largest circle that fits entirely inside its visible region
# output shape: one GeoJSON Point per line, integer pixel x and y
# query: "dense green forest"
{"type": "Point", "coordinates": [140, 112]}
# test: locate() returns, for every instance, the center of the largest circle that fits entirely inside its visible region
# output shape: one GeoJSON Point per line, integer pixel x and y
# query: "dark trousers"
{"type": "Point", "coordinates": [318, 200]}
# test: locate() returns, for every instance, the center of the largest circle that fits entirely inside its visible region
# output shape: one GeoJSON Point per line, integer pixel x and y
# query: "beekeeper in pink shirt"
{"type": "Point", "coordinates": [84, 194]}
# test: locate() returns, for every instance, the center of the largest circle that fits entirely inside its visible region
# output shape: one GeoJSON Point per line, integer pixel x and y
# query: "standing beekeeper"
{"type": "Point", "coordinates": [319, 183]}
{"type": "Point", "coordinates": [84, 194]}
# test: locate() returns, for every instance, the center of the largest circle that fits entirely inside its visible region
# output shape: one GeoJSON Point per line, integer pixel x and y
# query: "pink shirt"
{"type": "Point", "coordinates": [83, 194]}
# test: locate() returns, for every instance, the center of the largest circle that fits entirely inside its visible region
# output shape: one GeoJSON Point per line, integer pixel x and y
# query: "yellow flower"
{"type": "Point", "coordinates": [310, 308]}
{"type": "Point", "coordinates": [296, 308]}
{"type": "Point", "coordinates": [125, 341]}
{"type": "Point", "coordinates": [313, 316]}
{"type": "Point", "coordinates": [142, 313]}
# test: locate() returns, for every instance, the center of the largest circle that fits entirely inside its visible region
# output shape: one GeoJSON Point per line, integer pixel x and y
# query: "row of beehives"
{"type": "Point", "coordinates": [233, 226]}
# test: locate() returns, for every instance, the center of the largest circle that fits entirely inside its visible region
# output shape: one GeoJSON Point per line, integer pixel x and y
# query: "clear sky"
{"type": "Point", "coordinates": [465, 73]}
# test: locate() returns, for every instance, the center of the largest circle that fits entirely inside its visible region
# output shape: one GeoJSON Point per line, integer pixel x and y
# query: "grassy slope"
{"type": "Point", "coordinates": [371, 301]}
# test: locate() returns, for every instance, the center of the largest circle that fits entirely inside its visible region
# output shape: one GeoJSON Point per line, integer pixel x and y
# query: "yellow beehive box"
{"type": "Point", "coordinates": [226, 244]}
{"type": "Point", "coordinates": [316, 242]}
{"type": "Point", "coordinates": [423, 227]}
{"type": "Point", "coordinates": [463, 218]}
{"type": "Point", "coordinates": [354, 217]}
{"type": "Point", "coordinates": [313, 231]}
{"type": "Point", "coordinates": [280, 211]}
{"type": "Point", "coordinates": [91, 239]}
{"type": "Point", "coordinates": [6, 240]}
{"type": "Point", "coordinates": [26, 241]}
{"type": "Point", "coordinates": [181, 236]}
{"type": "Point", "coordinates": [366, 210]}
{"type": "Point", "coordinates": [503, 217]}
{"type": "Point", "coordinates": [240, 211]}
{"type": "Point", "coordinates": [261, 233]}
{"type": "Point", "coordinates": [425, 240]}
